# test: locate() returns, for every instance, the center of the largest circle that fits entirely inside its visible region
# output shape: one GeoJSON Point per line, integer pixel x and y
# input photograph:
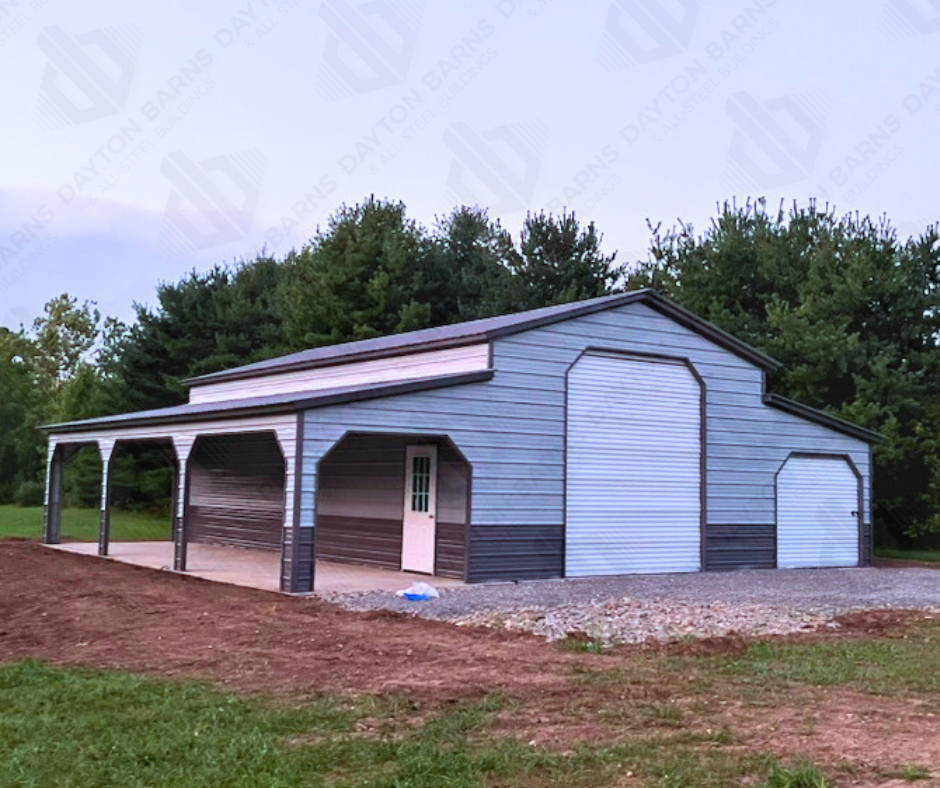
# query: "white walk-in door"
{"type": "Point", "coordinates": [634, 467]}
{"type": "Point", "coordinates": [817, 513]}
{"type": "Point", "coordinates": [418, 531]}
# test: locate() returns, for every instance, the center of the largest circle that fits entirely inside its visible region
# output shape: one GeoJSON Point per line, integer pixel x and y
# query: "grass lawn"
{"type": "Point", "coordinates": [908, 555]}
{"type": "Point", "coordinates": [82, 524]}
{"type": "Point", "coordinates": [81, 727]}
{"type": "Point", "coordinates": [78, 727]}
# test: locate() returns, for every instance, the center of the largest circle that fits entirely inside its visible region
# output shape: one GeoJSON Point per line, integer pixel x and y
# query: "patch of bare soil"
{"type": "Point", "coordinates": [842, 726]}
{"type": "Point", "coordinates": [878, 622]}
{"type": "Point", "coordinates": [75, 609]}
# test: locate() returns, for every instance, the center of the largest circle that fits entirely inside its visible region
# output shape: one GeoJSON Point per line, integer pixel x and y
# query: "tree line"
{"type": "Point", "coordinates": [848, 307]}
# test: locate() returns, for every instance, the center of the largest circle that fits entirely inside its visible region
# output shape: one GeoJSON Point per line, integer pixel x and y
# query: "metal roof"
{"type": "Point", "coordinates": [435, 338]}
{"type": "Point", "coordinates": [481, 331]}
{"type": "Point", "coordinates": [275, 403]}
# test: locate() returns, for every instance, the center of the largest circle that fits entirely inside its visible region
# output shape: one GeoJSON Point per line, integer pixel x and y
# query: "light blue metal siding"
{"type": "Point", "coordinates": [746, 440]}
{"type": "Point", "coordinates": [516, 450]}
{"type": "Point", "coordinates": [512, 431]}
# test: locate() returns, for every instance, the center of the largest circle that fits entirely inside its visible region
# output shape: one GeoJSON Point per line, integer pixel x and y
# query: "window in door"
{"type": "Point", "coordinates": [420, 483]}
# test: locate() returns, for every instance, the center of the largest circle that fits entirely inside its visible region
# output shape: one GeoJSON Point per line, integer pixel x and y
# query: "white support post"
{"type": "Point", "coordinates": [297, 565]}
{"type": "Point", "coordinates": [288, 540]}
{"type": "Point", "coordinates": [52, 502]}
{"type": "Point", "coordinates": [106, 450]}
{"type": "Point", "coordinates": [184, 447]}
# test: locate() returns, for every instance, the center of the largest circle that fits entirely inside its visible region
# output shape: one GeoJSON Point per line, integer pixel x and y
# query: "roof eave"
{"type": "Point", "coordinates": [821, 417]}
{"type": "Point", "coordinates": [72, 427]}
{"type": "Point", "coordinates": [711, 332]}
{"type": "Point", "coordinates": [306, 403]}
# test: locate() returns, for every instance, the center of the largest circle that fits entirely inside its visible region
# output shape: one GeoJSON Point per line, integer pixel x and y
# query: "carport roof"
{"type": "Point", "coordinates": [275, 403]}
{"type": "Point", "coordinates": [485, 330]}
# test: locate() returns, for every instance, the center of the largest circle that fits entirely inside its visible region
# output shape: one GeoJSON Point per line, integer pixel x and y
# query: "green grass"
{"type": "Point", "coordinates": [908, 555]}
{"type": "Point", "coordinates": [581, 646]}
{"type": "Point", "coordinates": [882, 667]}
{"type": "Point", "coordinates": [85, 728]}
{"type": "Point", "coordinates": [914, 773]}
{"type": "Point", "coordinates": [80, 727]}
{"type": "Point", "coordinates": [82, 524]}
{"type": "Point", "coordinates": [800, 774]}
{"type": "Point", "coordinates": [908, 663]}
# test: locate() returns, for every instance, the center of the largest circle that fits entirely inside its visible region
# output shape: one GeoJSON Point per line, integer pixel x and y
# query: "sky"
{"type": "Point", "coordinates": [142, 140]}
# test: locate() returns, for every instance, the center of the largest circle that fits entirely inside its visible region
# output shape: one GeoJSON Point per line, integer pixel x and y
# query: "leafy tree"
{"type": "Point", "coordinates": [61, 340]}
{"type": "Point", "coordinates": [20, 444]}
{"type": "Point", "coordinates": [48, 373]}
{"type": "Point", "coordinates": [851, 312]}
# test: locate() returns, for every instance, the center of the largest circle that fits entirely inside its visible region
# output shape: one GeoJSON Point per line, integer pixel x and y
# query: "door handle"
{"type": "Point", "coordinates": [855, 513]}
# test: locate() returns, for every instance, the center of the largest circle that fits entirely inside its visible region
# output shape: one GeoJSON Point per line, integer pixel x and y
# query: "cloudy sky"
{"type": "Point", "coordinates": [144, 139]}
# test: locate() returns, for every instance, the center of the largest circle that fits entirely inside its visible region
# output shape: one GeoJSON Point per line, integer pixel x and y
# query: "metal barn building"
{"type": "Point", "coordinates": [617, 435]}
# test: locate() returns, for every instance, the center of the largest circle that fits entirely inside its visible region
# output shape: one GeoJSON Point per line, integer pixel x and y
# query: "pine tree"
{"type": "Point", "coordinates": [851, 312]}
{"type": "Point", "coordinates": [559, 261]}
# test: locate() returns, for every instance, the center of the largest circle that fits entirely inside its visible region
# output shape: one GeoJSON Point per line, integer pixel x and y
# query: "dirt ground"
{"type": "Point", "coordinates": [75, 609]}
{"type": "Point", "coordinates": [72, 609]}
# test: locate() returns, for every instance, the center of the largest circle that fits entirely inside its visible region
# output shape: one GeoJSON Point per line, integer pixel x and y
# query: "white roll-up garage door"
{"type": "Point", "coordinates": [633, 501]}
{"type": "Point", "coordinates": [817, 513]}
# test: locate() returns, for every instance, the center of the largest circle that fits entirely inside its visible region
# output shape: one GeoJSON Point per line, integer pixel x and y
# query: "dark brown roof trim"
{"type": "Point", "coordinates": [821, 417]}
{"type": "Point", "coordinates": [513, 326]}
{"type": "Point", "coordinates": [307, 401]}
{"type": "Point", "coordinates": [710, 331]}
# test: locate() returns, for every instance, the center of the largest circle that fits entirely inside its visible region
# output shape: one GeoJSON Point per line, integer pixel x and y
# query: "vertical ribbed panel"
{"type": "Point", "coordinates": [237, 495]}
{"type": "Point", "coordinates": [817, 513]}
{"type": "Point", "coordinates": [633, 467]}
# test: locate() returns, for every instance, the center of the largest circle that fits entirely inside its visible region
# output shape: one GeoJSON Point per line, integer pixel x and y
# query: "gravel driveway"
{"type": "Point", "coordinates": [665, 607]}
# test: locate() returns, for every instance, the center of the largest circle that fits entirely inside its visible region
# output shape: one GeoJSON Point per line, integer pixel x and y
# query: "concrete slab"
{"type": "Point", "coordinates": [255, 568]}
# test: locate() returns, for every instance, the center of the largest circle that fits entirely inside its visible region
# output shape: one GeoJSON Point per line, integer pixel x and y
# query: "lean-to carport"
{"type": "Point", "coordinates": [194, 446]}
{"type": "Point", "coordinates": [238, 466]}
